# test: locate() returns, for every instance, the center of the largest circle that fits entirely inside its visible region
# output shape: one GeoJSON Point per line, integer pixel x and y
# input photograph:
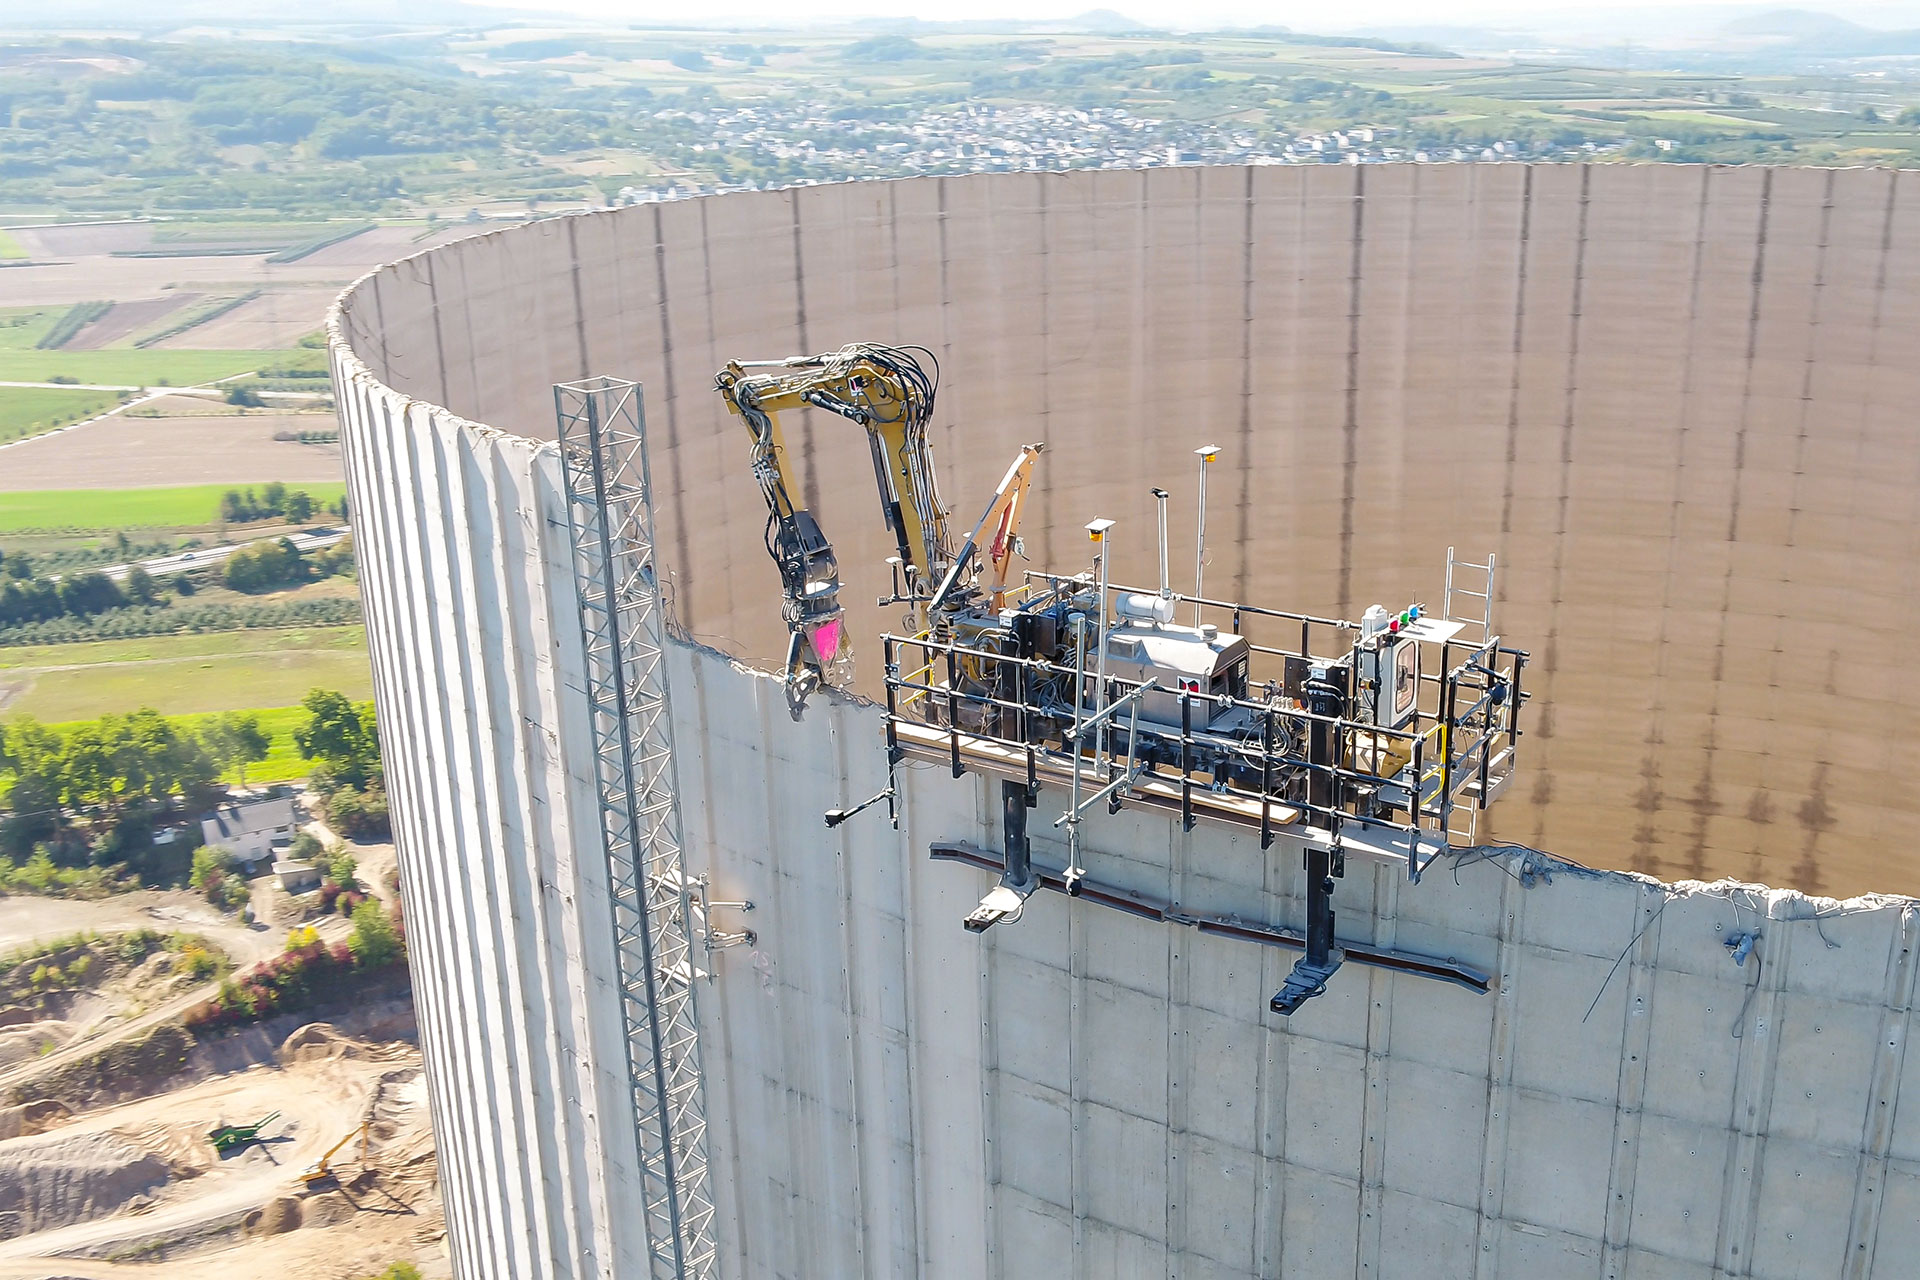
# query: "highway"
{"type": "Point", "coordinates": [201, 557]}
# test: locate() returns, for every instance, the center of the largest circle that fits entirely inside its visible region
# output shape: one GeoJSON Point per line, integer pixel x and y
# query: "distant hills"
{"type": "Point", "coordinates": [1808, 33]}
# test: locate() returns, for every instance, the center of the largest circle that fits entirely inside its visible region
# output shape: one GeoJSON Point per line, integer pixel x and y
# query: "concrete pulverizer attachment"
{"type": "Point", "coordinates": [610, 520]}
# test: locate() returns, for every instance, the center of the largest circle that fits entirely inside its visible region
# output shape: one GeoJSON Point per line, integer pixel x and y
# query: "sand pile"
{"type": "Point", "coordinates": [55, 1181]}
{"type": "Point", "coordinates": [318, 1041]}
{"type": "Point", "coordinates": [278, 1215]}
{"type": "Point", "coordinates": [327, 1209]}
{"type": "Point", "coordinates": [32, 1117]}
{"type": "Point", "coordinates": [27, 1041]}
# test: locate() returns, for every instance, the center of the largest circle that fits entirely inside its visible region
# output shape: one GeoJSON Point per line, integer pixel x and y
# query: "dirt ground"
{"type": "Point", "coordinates": [25, 920]}
{"type": "Point", "coordinates": [275, 320]}
{"type": "Point", "coordinates": [205, 448]}
{"type": "Point", "coordinates": [134, 1188]}
{"type": "Point", "coordinates": [140, 1181]}
{"type": "Point", "coordinates": [65, 242]}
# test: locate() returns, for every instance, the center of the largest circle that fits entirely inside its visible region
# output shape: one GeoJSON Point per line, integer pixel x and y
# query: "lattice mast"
{"type": "Point", "coordinates": [603, 452]}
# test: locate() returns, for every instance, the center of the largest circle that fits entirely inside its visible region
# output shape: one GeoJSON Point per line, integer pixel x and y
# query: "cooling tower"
{"type": "Point", "coordinates": [1670, 399]}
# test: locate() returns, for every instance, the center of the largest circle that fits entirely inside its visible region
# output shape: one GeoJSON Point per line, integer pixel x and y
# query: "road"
{"type": "Point", "coordinates": [311, 540]}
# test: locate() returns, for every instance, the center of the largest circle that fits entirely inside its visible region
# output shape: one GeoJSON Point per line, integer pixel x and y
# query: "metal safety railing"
{"type": "Point", "coordinates": [946, 699]}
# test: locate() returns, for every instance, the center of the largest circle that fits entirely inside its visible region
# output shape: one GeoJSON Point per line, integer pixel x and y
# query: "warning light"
{"type": "Point", "coordinates": [1415, 613]}
{"type": "Point", "coordinates": [1393, 624]}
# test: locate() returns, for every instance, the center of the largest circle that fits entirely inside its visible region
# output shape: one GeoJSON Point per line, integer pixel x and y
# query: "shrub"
{"type": "Point", "coordinates": [305, 848]}
{"type": "Point", "coordinates": [290, 981]}
{"type": "Point", "coordinates": [359, 815]}
{"type": "Point", "coordinates": [339, 865]}
{"type": "Point", "coordinates": [199, 962]}
{"type": "Point", "coordinates": [375, 943]}
{"type": "Point", "coordinates": [216, 874]}
{"type": "Point", "coordinates": [138, 945]}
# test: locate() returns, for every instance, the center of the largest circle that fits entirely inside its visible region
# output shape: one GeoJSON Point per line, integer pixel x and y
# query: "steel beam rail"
{"type": "Point", "coordinates": [1133, 904]}
{"type": "Point", "coordinates": [1442, 764]}
{"type": "Point", "coordinates": [610, 521]}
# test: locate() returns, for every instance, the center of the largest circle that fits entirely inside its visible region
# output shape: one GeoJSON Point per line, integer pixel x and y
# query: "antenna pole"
{"type": "Point", "coordinates": [1206, 453]}
{"type": "Point", "coordinates": [1166, 584]}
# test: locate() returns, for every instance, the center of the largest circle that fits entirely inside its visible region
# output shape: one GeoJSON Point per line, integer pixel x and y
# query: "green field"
{"type": "Point", "coordinates": [284, 763]}
{"type": "Point", "coordinates": [10, 248]}
{"type": "Point", "coordinates": [181, 675]}
{"type": "Point", "coordinates": [185, 507]}
{"type": "Point", "coordinates": [28, 411]}
{"type": "Point", "coordinates": [128, 367]}
{"type": "Point", "coordinates": [21, 328]}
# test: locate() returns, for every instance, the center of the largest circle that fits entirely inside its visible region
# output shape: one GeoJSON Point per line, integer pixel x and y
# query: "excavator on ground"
{"type": "Point", "coordinates": [320, 1174]}
{"type": "Point", "coordinates": [890, 392]}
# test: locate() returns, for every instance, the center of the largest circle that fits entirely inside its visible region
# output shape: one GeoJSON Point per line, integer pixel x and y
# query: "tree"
{"type": "Point", "coordinates": [140, 588]}
{"type": "Point", "coordinates": [1911, 116]}
{"type": "Point", "coordinates": [233, 508]}
{"type": "Point", "coordinates": [374, 941]}
{"type": "Point", "coordinates": [82, 594]}
{"type": "Point", "coordinates": [273, 498]}
{"type": "Point", "coordinates": [265, 566]}
{"type": "Point", "coordinates": [299, 506]}
{"type": "Point", "coordinates": [340, 736]}
{"type": "Point", "coordinates": [244, 397]}
{"type": "Point", "coordinates": [19, 566]}
{"type": "Point", "coordinates": [236, 740]}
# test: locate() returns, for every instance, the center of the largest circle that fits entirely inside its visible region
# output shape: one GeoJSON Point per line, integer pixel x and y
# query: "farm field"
{"type": "Point", "coordinates": [275, 320]}
{"type": "Point", "coordinates": [129, 367]}
{"type": "Point", "coordinates": [175, 507]}
{"type": "Point", "coordinates": [180, 675]}
{"type": "Point", "coordinates": [182, 447]}
{"type": "Point", "coordinates": [284, 763]}
{"type": "Point", "coordinates": [28, 411]}
{"type": "Point", "coordinates": [21, 328]}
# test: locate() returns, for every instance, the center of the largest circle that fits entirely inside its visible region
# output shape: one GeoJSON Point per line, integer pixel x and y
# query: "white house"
{"type": "Point", "coordinates": [252, 831]}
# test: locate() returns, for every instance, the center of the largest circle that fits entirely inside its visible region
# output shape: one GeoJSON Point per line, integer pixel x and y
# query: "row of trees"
{"type": "Point", "coordinates": [93, 793]}
{"type": "Point", "coordinates": [275, 501]}
{"type": "Point", "coordinates": [76, 595]}
{"type": "Point", "coordinates": [265, 566]}
{"type": "Point", "coordinates": [270, 566]}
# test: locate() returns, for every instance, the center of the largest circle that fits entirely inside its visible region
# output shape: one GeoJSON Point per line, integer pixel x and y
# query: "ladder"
{"type": "Point", "coordinates": [1468, 601]}
{"type": "Point", "coordinates": [1474, 576]}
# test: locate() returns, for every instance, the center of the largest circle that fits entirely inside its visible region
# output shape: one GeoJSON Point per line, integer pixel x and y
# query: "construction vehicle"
{"type": "Point", "coordinates": [890, 392]}
{"type": "Point", "coordinates": [1337, 729]}
{"type": "Point", "coordinates": [231, 1137]}
{"type": "Point", "coordinates": [320, 1174]}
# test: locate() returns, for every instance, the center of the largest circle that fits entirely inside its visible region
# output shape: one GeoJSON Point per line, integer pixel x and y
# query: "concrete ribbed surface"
{"type": "Point", "coordinates": [1668, 397]}
{"type": "Point", "coordinates": [1675, 400]}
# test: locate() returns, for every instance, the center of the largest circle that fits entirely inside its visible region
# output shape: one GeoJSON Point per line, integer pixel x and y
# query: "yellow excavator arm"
{"type": "Point", "coordinates": [889, 391]}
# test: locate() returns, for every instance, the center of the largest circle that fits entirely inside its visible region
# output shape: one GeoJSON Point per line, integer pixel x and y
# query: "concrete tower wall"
{"type": "Point", "coordinates": [1084, 1092]}
{"type": "Point", "coordinates": [1675, 401]}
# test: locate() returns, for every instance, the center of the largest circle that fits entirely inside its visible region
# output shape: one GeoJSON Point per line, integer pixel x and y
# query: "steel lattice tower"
{"type": "Point", "coordinates": [610, 518]}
